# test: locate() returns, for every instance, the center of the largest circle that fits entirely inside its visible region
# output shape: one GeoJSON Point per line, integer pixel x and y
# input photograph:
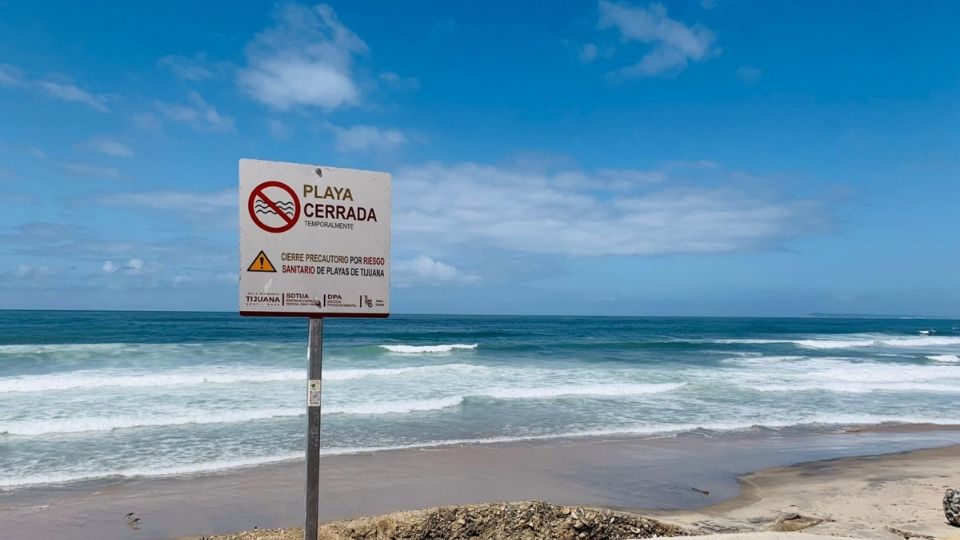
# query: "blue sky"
{"type": "Point", "coordinates": [687, 158]}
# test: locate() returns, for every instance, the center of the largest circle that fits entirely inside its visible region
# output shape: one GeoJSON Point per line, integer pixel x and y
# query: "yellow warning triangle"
{"type": "Point", "coordinates": [261, 264]}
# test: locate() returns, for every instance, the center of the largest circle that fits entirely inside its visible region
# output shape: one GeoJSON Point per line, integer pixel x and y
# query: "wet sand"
{"type": "Point", "coordinates": [669, 474]}
{"type": "Point", "coordinates": [885, 497]}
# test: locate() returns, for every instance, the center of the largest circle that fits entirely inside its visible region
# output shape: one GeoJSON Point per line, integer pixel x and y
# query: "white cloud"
{"type": "Point", "coordinates": [591, 214]}
{"type": "Point", "coordinates": [193, 202]}
{"type": "Point", "coordinates": [110, 147]}
{"type": "Point", "coordinates": [68, 240]}
{"type": "Point", "coordinates": [188, 69]}
{"type": "Point", "coordinates": [367, 138]}
{"type": "Point", "coordinates": [197, 113]}
{"type": "Point", "coordinates": [278, 130]}
{"type": "Point", "coordinates": [57, 87]}
{"type": "Point", "coordinates": [29, 276]}
{"type": "Point", "coordinates": [70, 92]}
{"type": "Point", "coordinates": [205, 278]}
{"type": "Point", "coordinates": [32, 272]}
{"type": "Point", "coordinates": [147, 121]}
{"type": "Point", "coordinates": [425, 270]}
{"type": "Point", "coordinates": [397, 82]}
{"type": "Point", "coordinates": [10, 75]}
{"type": "Point", "coordinates": [588, 53]}
{"type": "Point", "coordinates": [85, 169]}
{"type": "Point", "coordinates": [17, 198]}
{"type": "Point", "coordinates": [672, 43]}
{"type": "Point", "coordinates": [305, 59]}
{"type": "Point", "coordinates": [133, 267]}
{"type": "Point", "coordinates": [749, 74]}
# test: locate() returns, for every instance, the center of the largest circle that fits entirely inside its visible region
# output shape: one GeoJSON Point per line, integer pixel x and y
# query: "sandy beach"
{"type": "Point", "coordinates": [664, 478]}
{"type": "Point", "coordinates": [889, 496]}
{"type": "Point", "coordinates": [892, 496]}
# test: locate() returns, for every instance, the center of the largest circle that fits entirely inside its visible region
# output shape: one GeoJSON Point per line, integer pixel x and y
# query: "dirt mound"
{"type": "Point", "coordinates": [534, 520]}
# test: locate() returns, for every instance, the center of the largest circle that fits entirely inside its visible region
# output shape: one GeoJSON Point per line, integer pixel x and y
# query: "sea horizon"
{"type": "Point", "coordinates": [813, 315]}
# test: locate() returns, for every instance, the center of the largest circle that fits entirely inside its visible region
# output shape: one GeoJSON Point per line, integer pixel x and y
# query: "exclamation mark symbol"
{"type": "Point", "coordinates": [261, 263]}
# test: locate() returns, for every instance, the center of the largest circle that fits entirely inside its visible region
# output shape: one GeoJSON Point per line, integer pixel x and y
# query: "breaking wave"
{"type": "Point", "coordinates": [854, 342]}
{"type": "Point", "coordinates": [599, 390]}
{"type": "Point", "coordinates": [351, 374]}
{"type": "Point", "coordinates": [421, 349]}
{"type": "Point", "coordinates": [102, 379]}
{"type": "Point", "coordinates": [662, 430]}
{"type": "Point", "coordinates": [79, 425]}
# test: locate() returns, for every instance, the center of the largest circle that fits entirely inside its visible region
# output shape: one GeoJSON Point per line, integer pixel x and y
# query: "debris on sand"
{"type": "Point", "coordinates": [533, 520]}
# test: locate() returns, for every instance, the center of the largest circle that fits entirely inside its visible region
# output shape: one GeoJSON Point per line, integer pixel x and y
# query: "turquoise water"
{"type": "Point", "coordinates": [109, 394]}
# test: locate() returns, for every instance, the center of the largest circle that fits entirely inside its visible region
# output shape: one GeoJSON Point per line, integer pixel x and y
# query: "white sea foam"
{"type": "Point", "coordinates": [855, 341]}
{"type": "Point", "coordinates": [396, 407]}
{"type": "Point", "coordinates": [764, 360]}
{"type": "Point", "coordinates": [62, 348]}
{"type": "Point", "coordinates": [422, 349]}
{"type": "Point", "coordinates": [11, 482]}
{"type": "Point", "coordinates": [167, 470]}
{"type": "Point", "coordinates": [884, 341]}
{"type": "Point", "coordinates": [581, 390]}
{"type": "Point", "coordinates": [45, 426]}
{"type": "Point", "coordinates": [94, 379]}
{"type": "Point", "coordinates": [844, 375]}
{"type": "Point", "coordinates": [857, 388]}
{"type": "Point", "coordinates": [115, 378]}
{"type": "Point", "coordinates": [351, 374]}
{"type": "Point", "coordinates": [944, 358]}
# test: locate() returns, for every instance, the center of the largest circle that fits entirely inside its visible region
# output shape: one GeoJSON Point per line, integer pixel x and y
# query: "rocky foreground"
{"type": "Point", "coordinates": [534, 520]}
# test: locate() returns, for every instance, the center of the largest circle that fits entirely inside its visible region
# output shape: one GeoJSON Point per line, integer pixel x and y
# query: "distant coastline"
{"type": "Point", "coordinates": [889, 316]}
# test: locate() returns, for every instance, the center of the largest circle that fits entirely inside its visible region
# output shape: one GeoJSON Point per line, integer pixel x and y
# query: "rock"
{"type": "Point", "coordinates": [951, 506]}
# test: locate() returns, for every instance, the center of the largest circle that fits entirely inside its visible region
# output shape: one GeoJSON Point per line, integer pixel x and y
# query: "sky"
{"type": "Point", "coordinates": [713, 157]}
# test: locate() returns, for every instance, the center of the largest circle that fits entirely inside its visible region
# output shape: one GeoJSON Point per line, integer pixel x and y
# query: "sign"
{"type": "Point", "coordinates": [314, 241]}
{"type": "Point", "coordinates": [314, 386]}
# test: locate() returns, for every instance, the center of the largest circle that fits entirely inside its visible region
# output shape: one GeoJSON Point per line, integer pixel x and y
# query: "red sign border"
{"type": "Point", "coordinates": [258, 191]}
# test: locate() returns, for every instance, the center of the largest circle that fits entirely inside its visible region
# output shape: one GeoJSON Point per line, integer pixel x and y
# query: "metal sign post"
{"type": "Point", "coordinates": [315, 358]}
{"type": "Point", "coordinates": [314, 242]}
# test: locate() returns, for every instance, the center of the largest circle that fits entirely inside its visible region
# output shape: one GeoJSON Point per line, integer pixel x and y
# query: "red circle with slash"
{"type": "Point", "coordinates": [260, 203]}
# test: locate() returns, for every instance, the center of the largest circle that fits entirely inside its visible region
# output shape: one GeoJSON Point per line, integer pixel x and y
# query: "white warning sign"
{"type": "Point", "coordinates": [314, 240]}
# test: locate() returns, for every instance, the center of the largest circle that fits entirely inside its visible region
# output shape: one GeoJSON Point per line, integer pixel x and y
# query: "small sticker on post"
{"type": "Point", "coordinates": [313, 393]}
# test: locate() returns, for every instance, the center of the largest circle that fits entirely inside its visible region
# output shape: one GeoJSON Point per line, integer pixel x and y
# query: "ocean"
{"type": "Point", "coordinates": [109, 395]}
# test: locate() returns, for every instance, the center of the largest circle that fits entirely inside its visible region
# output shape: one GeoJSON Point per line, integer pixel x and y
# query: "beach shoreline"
{"type": "Point", "coordinates": [659, 477]}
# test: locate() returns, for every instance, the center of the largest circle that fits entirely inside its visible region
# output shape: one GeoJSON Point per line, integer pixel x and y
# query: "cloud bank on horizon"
{"type": "Point", "coordinates": [545, 162]}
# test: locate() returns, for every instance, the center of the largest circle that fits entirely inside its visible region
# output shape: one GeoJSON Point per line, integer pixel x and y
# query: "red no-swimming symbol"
{"type": "Point", "coordinates": [271, 210]}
